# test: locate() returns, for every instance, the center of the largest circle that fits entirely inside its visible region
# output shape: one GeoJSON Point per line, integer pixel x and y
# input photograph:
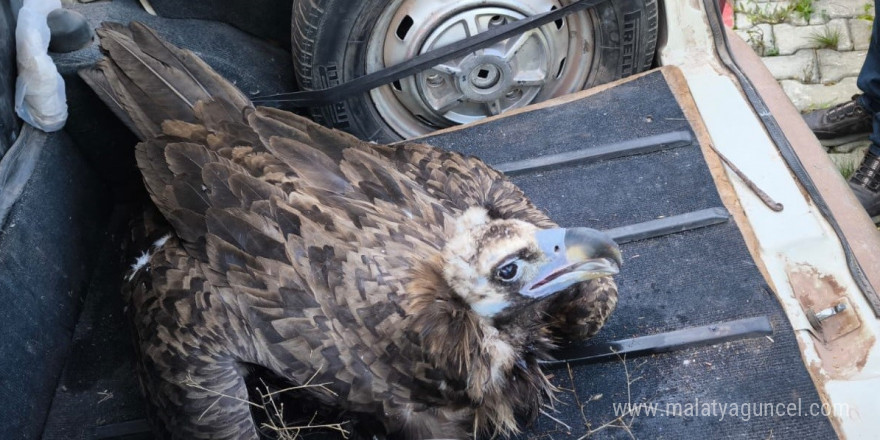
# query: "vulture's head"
{"type": "Point", "coordinates": [498, 266]}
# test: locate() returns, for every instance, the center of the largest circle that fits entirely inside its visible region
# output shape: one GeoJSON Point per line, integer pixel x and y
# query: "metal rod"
{"type": "Point", "coordinates": [765, 198]}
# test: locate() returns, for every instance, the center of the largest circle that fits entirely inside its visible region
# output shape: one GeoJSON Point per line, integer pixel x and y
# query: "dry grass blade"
{"type": "Point", "coordinates": [274, 411]}
{"type": "Point", "coordinates": [625, 420]}
{"type": "Point", "coordinates": [622, 421]}
{"type": "Point", "coordinates": [190, 382]}
{"type": "Point", "coordinates": [556, 420]}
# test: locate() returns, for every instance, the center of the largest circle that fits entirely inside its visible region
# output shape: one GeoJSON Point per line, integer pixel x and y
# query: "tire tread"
{"type": "Point", "coordinates": [305, 23]}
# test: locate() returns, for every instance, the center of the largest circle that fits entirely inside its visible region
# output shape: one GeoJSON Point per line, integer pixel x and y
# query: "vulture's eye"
{"type": "Point", "coordinates": [508, 272]}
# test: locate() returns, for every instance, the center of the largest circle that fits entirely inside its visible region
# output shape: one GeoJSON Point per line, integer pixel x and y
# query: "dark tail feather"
{"type": "Point", "coordinates": [146, 81]}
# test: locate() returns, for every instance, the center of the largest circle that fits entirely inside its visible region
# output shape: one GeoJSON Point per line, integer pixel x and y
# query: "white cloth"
{"type": "Point", "coordinates": [40, 99]}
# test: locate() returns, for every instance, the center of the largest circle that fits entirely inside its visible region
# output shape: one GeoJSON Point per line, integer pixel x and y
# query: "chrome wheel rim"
{"type": "Point", "coordinates": [539, 64]}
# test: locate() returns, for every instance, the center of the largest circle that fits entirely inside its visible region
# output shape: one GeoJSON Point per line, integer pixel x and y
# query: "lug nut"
{"type": "Point", "coordinates": [497, 20]}
{"type": "Point", "coordinates": [434, 80]}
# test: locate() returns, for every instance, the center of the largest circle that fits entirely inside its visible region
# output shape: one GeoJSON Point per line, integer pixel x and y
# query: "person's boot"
{"type": "Point", "coordinates": [842, 123]}
{"type": "Point", "coordinates": [865, 183]}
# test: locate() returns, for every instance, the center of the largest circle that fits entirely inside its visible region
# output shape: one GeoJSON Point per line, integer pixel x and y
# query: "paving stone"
{"type": "Point", "coordinates": [800, 67]}
{"type": "Point", "coordinates": [790, 39]}
{"type": "Point", "coordinates": [741, 21]}
{"type": "Point", "coordinates": [840, 8]}
{"type": "Point", "coordinates": [772, 6]}
{"type": "Point", "coordinates": [759, 37]}
{"type": "Point", "coordinates": [797, 20]}
{"type": "Point", "coordinates": [845, 40]}
{"type": "Point", "coordinates": [849, 147]}
{"type": "Point", "coordinates": [834, 65]}
{"type": "Point", "coordinates": [756, 12]}
{"type": "Point", "coordinates": [860, 31]}
{"type": "Point", "coordinates": [817, 17]}
{"type": "Point", "coordinates": [848, 161]}
{"type": "Point", "coordinates": [812, 96]}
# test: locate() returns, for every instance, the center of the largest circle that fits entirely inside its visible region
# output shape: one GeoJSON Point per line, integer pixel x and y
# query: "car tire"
{"type": "Point", "coordinates": [332, 41]}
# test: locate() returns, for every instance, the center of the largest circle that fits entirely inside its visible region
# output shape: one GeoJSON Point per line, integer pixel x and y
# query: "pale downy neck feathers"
{"type": "Point", "coordinates": [451, 308]}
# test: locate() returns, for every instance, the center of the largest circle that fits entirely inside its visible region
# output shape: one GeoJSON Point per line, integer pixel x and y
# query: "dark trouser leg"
{"type": "Point", "coordinates": [849, 121]}
{"type": "Point", "coordinates": [865, 182]}
{"type": "Point", "coordinates": [869, 77]}
{"type": "Point", "coordinates": [869, 80]}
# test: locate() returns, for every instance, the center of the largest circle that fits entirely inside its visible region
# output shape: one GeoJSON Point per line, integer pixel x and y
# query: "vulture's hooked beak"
{"type": "Point", "coordinates": [576, 255]}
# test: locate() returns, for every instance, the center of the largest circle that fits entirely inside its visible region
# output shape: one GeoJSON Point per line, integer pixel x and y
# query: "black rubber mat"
{"type": "Point", "coordinates": [700, 276]}
{"type": "Point", "coordinates": [697, 277]}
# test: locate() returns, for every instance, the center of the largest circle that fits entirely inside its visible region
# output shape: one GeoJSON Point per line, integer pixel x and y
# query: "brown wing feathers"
{"type": "Point", "coordinates": [227, 202]}
{"type": "Point", "coordinates": [139, 64]}
{"type": "Point", "coordinates": [297, 227]}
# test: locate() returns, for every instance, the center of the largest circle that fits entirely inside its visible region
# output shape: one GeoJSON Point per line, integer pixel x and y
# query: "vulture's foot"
{"type": "Point", "coordinates": [580, 312]}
